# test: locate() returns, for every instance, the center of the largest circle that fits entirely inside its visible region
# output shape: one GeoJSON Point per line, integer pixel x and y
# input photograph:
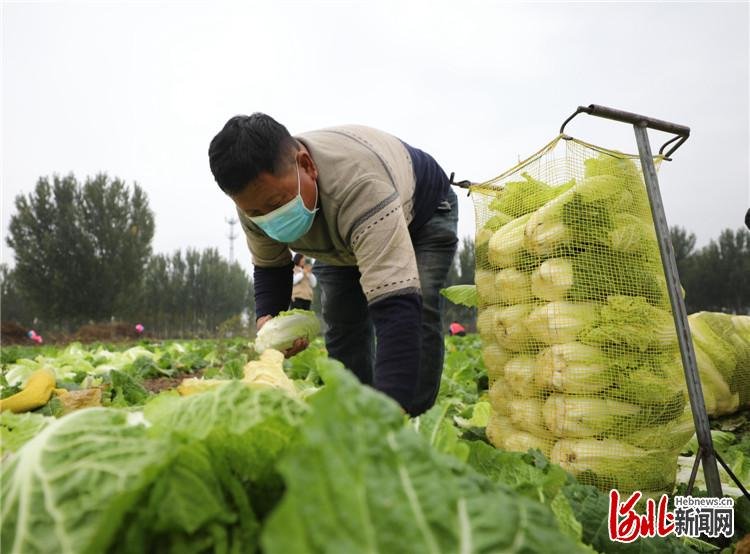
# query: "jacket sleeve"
{"type": "Point", "coordinates": [273, 289]}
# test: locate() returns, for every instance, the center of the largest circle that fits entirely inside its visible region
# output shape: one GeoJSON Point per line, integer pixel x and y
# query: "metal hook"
{"type": "Point", "coordinates": [580, 109]}
{"type": "Point", "coordinates": [461, 184]}
{"type": "Point", "coordinates": [680, 138]}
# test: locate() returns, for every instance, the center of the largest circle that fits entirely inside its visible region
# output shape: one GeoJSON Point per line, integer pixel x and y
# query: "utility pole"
{"type": "Point", "coordinates": [231, 236]}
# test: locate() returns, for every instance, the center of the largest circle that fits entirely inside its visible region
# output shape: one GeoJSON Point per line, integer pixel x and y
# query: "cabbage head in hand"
{"type": "Point", "coordinates": [281, 332]}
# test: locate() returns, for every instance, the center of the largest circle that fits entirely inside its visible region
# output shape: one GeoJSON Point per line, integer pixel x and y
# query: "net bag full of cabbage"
{"type": "Point", "coordinates": [578, 335]}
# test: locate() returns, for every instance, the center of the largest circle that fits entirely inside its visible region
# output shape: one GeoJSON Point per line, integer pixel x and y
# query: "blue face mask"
{"type": "Point", "coordinates": [289, 222]}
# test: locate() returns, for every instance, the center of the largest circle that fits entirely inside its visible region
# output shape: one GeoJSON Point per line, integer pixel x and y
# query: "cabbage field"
{"type": "Point", "coordinates": [210, 446]}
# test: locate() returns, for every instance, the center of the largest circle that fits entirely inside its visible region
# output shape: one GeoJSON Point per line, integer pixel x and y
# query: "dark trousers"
{"type": "Point", "coordinates": [350, 334]}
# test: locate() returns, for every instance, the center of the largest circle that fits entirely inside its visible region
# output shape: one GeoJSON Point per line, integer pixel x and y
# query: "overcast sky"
{"type": "Point", "coordinates": [138, 89]}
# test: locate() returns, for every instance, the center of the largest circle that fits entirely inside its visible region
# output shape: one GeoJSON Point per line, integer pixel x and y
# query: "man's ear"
{"type": "Point", "coordinates": [307, 164]}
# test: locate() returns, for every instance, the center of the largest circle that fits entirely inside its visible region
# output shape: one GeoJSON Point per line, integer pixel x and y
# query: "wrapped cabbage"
{"type": "Point", "coordinates": [673, 435]}
{"type": "Point", "coordinates": [498, 429]}
{"type": "Point", "coordinates": [499, 397]}
{"type": "Point", "coordinates": [613, 192]}
{"type": "Point", "coordinates": [586, 213]}
{"type": "Point", "coordinates": [526, 414]}
{"type": "Point", "coordinates": [510, 327]}
{"type": "Point", "coordinates": [494, 359]}
{"type": "Point", "coordinates": [520, 441]}
{"type": "Point", "coordinates": [493, 224]}
{"type": "Point", "coordinates": [520, 373]}
{"type": "Point", "coordinates": [577, 416]}
{"type": "Point", "coordinates": [560, 322]}
{"type": "Point", "coordinates": [553, 279]}
{"type": "Point", "coordinates": [609, 164]}
{"type": "Point", "coordinates": [519, 198]}
{"type": "Point", "coordinates": [545, 230]}
{"type": "Point", "coordinates": [581, 215]}
{"type": "Point", "coordinates": [660, 395]}
{"type": "Point", "coordinates": [631, 323]}
{"type": "Point", "coordinates": [507, 286]}
{"type": "Point", "coordinates": [506, 243]}
{"type": "Point", "coordinates": [485, 281]}
{"type": "Point", "coordinates": [632, 234]}
{"type": "Point", "coordinates": [614, 464]}
{"type": "Point", "coordinates": [513, 286]}
{"type": "Point", "coordinates": [573, 368]}
{"type": "Point", "coordinates": [487, 322]}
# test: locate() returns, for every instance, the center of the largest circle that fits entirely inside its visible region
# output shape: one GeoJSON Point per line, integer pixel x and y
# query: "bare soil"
{"type": "Point", "coordinates": [106, 332]}
{"type": "Point", "coordinates": [158, 384]}
{"type": "Point", "coordinates": [13, 333]}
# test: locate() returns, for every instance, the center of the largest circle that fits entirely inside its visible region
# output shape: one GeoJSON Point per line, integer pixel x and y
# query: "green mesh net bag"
{"type": "Point", "coordinates": [578, 335]}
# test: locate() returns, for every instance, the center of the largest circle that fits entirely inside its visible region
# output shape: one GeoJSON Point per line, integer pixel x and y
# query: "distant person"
{"type": "Point", "coordinates": [303, 282]}
{"type": "Point", "coordinates": [456, 329]}
{"type": "Point", "coordinates": [139, 329]}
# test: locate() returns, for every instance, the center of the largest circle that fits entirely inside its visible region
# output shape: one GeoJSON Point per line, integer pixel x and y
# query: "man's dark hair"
{"type": "Point", "coordinates": [246, 147]}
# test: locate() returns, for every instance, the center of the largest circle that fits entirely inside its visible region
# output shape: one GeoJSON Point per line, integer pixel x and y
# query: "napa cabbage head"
{"type": "Point", "coordinates": [610, 463]}
{"type": "Point", "coordinates": [573, 368]}
{"type": "Point", "coordinates": [280, 332]}
{"type": "Point", "coordinates": [632, 234]}
{"type": "Point", "coordinates": [560, 322]}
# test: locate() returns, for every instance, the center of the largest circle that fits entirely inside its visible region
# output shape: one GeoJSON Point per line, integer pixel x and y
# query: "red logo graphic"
{"type": "Point", "coordinates": [625, 525]}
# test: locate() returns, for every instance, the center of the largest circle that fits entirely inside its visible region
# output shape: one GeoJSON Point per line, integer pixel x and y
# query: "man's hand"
{"type": "Point", "coordinates": [261, 321]}
{"type": "Point", "coordinates": [299, 344]}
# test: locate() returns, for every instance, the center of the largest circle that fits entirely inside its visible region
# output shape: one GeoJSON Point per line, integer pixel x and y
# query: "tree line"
{"type": "Point", "coordinates": [83, 254]}
{"type": "Point", "coordinates": [716, 277]}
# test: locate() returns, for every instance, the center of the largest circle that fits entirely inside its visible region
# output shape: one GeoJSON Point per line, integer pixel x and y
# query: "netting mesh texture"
{"type": "Point", "coordinates": [578, 335]}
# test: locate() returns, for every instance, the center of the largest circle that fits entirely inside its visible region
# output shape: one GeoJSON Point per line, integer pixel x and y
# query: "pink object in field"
{"type": "Point", "coordinates": [139, 328]}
